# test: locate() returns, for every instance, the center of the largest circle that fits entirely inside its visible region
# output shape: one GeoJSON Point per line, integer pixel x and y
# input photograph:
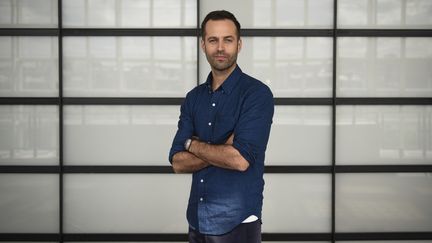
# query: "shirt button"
{"type": "Point", "coordinates": [201, 199]}
{"type": "Point", "coordinates": [209, 123]}
{"type": "Point", "coordinates": [202, 180]}
{"type": "Point", "coordinates": [213, 104]}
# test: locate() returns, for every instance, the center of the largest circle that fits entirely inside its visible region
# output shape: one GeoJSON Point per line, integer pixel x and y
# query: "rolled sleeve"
{"type": "Point", "coordinates": [185, 127]}
{"type": "Point", "coordinates": [252, 131]}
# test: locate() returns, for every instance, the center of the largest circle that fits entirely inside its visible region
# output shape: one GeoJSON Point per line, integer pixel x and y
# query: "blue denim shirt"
{"type": "Point", "coordinates": [220, 199]}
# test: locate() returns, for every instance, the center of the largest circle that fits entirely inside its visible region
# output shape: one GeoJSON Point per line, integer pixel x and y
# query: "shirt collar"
{"type": "Point", "coordinates": [229, 83]}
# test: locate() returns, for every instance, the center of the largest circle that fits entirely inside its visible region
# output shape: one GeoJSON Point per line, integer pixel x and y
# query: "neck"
{"type": "Point", "coordinates": [220, 76]}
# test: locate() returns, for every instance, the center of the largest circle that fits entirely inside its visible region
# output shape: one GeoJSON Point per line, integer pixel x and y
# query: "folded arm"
{"type": "Point", "coordinates": [201, 155]}
{"type": "Point", "coordinates": [224, 155]}
{"type": "Point", "coordinates": [186, 162]}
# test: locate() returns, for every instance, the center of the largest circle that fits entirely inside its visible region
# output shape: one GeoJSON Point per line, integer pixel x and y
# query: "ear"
{"type": "Point", "coordinates": [239, 45]}
{"type": "Point", "coordinates": [202, 45]}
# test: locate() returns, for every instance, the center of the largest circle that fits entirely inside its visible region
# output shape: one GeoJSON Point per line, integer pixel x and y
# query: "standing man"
{"type": "Point", "coordinates": [222, 136]}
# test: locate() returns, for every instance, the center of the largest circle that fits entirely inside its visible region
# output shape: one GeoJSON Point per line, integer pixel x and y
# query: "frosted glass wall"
{"type": "Point", "coordinates": [52, 80]}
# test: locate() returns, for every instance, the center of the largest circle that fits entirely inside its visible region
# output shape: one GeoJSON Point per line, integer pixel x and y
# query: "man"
{"type": "Point", "coordinates": [222, 136]}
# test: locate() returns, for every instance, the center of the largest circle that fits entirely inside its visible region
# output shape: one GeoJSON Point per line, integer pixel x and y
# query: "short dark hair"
{"type": "Point", "coordinates": [220, 15]}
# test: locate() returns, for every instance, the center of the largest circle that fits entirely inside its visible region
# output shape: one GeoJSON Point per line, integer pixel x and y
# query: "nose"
{"type": "Point", "coordinates": [221, 46]}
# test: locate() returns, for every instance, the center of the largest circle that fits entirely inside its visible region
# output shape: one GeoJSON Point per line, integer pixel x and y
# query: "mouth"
{"type": "Point", "coordinates": [220, 58]}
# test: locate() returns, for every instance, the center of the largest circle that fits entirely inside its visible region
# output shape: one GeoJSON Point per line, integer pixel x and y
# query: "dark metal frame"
{"type": "Point", "coordinates": [333, 101]}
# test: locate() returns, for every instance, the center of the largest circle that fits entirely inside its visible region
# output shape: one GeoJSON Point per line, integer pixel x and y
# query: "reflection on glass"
{"type": "Point", "coordinates": [276, 13]}
{"type": "Point", "coordinates": [302, 198]}
{"type": "Point", "coordinates": [385, 14]}
{"type": "Point", "coordinates": [296, 131]}
{"type": "Point", "coordinates": [383, 135]}
{"type": "Point", "coordinates": [28, 66]}
{"type": "Point", "coordinates": [129, 66]}
{"type": "Point", "coordinates": [29, 135]}
{"type": "Point", "coordinates": [28, 13]}
{"type": "Point", "coordinates": [384, 67]}
{"type": "Point", "coordinates": [125, 203]}
{"type": "Point", "coordinates": [129, 13]}
{"type": "Point", "coordinates": [29, 203]}
{"type": "Point", "coordinates": [384, 202]}
{"type": "Point", "coordinates": [119, 135]}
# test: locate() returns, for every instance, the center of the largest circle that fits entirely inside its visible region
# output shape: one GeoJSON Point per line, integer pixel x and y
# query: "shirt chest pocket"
{"type": "Point", "coordinates": [224, 127]}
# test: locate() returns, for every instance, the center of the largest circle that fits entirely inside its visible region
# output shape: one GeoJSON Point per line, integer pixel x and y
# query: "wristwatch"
{"type": "Point", "coordinates": [187, 144]}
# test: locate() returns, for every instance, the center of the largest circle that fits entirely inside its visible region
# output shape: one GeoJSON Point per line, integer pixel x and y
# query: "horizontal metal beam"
{"type": "Point", "coordinates": [384, 32]}
{"type": "Point", "coordinates": [303, 101]}
{"type": "Point", "coordinates": [287, 32]}
{"type": "Point", "coordinates": [384, 101]}
{"type": "Point", "coordinates": [384, 236]}
{"type": "Point", "coordinates": [29, 101]}
{"type": "Point", "coordinates": [123, 101]}
{"type": "Point", "coordinates": [130, 32]}
{"type": "Point", "coordinates": [28, 32]}
{"type": "Point", "coordinates": [383, 169]}
{"type": "Point", "coordinates": [360, 236]}
{"type": "Point", "coordinates": [197, 32]}
{"type": "Point", "coordinates": [269, 169]}
{"type": "Point", "coordinates": [179, 101]}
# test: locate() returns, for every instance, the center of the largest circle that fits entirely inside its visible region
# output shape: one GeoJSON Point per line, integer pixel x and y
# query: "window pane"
{"type": "Point", "coordinates": [290, 66]}
{"type": "Point", "coordinates": [119, 135]}
{"type": "Point", "coordinates": [298, 130]}
{"type": "Point", "coordinates": [28, 13]}
{"type": "Point", "coordinates": [289, 200]}
{"type": "Point", "coordinates": [386, 14]}
{"type": "Point", "coordinates": [29, 135]}
{"type": "Point", "coordinates": [129, 13]}
{"type": "Point", "coordinates": [129, 66]}
{"type": "Point", "coordinates": [29, 203]}
{"type": "Point", "coordinates": [126, 203]}
{"type": "Point", "coordinates": [276, 13]}
{"type": "Point", "coordinates": [384, 202]}
{"type": "Point", "coordinates": [28, 66]}
{"type": "Point", "coordinates": [383, 135]}
{"type": "Point", "coordinates": [384, 67]}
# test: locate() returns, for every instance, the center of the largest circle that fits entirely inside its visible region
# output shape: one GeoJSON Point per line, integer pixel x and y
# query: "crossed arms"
{"type": "Point", "coordinates": [201, 155]}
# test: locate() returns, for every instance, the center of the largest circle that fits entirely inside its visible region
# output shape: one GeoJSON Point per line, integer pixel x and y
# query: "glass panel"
{"type": "Point", "coordinates": [384, 67]}
{"type": "Point", "coordinates": [28, 66]}
{"type": "Point", "coordinates": [387, 14]}
{"type": "Point", "coordinates": [297, 203]}
{"type": "Point", "coordinates": [29, 135]}
{"type": "Point", "coordinates": [129, 66]}
{"type": "Point", "coordinates": [29, 203]}
{"type": "Point", "coordinates": [275, 13]}
{"type": "Point", "coordinates": [126, 203]}
{"type": "Point", "coordinates": [129, 13]}
{"type": "Point", "coordinates": [296, 131]}
{"type": "Point", "coordinates": [119, 135]}
{"type": "Point", "coordinates": [384, 202]}
{"type": "Point", "coordinates": [290, 66]}
{"type": "Point", "coordinates": [28, 13]}
{"type": "Point", "coordinates": [383, 135]}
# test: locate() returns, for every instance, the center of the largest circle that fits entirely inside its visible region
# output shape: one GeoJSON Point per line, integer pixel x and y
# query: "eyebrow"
{"type": "Point", "coordinates": [224, 37]}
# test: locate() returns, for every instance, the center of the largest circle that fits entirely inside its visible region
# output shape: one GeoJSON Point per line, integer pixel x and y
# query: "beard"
{"type": "Point", "coordinates": [221, 65]}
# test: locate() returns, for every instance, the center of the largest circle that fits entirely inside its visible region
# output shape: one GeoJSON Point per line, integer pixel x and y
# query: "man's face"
{"type": "Point", "coordinates": [221, 44]}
